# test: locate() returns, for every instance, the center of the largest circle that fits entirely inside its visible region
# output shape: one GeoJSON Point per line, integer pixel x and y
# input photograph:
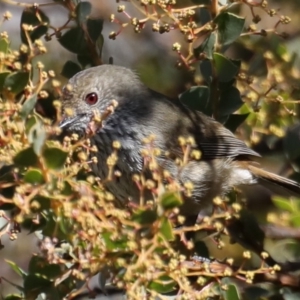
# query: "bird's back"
{"type": "Point", "coordinates": [166, 121]}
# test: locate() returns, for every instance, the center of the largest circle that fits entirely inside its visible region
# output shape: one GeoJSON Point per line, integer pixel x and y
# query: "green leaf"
{"type": "Point", "coordinates": [197, 98]}
{"type": "Point", "coordinates": [44, 203]}
{"type": "Point", "coordinates": [232, 293]}
{"type": "Point", "coordinates": [18, 287]}
{"type": "Point", "coordinates": [34, 176]}
{"type": "Point", "coordinates": [6, 175]}
{"type": "Point", "coordinates": [4, 43]}
{"type": "Point", "coordinates": [32, 226]}
{"type": "Point", "coordinates": [289, 248]}
{"type": "Point", "coordinates": [230, 101]}
{"type": "Point", "coordinates": [54, 158]}
{"type": "Point", "coordinates": [30, 122]}
{"type": "Point", "coordinates": [166, 229]}
{"type": "Point", "coordinates": [16, 268]}
{"type": "Point", "coordinates": [295, 220]}
{"type": "Point", "coordinates": [258, 65]}
{"type": "Point", "coordinates": [170, 200]}
{"type": "Point", "coordinates": [28, 106]}
{"type": "Point", "coordinates": [38, 19]}
{"type": "Point", "coordinates": [206, 70]}
{"type": "Point", "coordinates": [246, 231]}
{"type": "Point", "coordinates": [70, 68]}
{"type": "Point", "coordinates": [2, 79]}
{"type": "Point", "coordinates": [226, 69]}
{"type": "Point", "coordinates": [230, 27]}
{"type": "Point", "coordinates": [39, 265]}
{"type": "Point", "coordinates": [144, 217]}
{"type": "Point", "coordinates": [202, 2]}
{"type": "Point", "coordinates": [255, 293]}
{"type": "Point", "coordinates": [26, 158]}
{"type": "Point", "coordinates": [35, 284]}
{"type": "Point", "coordinates": [111, 244]}
{"type": "Point", "coordinates": [50, 228]}
{"type": "Point", "coordinates": [288, 294]}
{"type": "Point", "coordinates": [94, 27]}
{"type": "Point", "coordinates": [207, 46]}
{"type": "Point", "coordinates": [16, 82]}
{"type": "Point", "coordinates": [201, 249]}
{"type": "Point", "coordinates": [67, 189]}
{"type": "Point", "coordinates": [74, 41]}
{"type": "Point", "coordinates": [14, 297]}
{"type": "Point", "coordinates": [83, 10]}
{"type": "Point", "coordinates": [45, 107]}
{"type": "Point", "coordinates": [234, 121]}
{"type": "Point", "coordinates": [37, 137]}
{"type": "Point", "coordinates": [291, 143]}
{"type": "Point", "coordinates": [163, 286]}
{"type": "Point", "coordinates": [284, 204]}
{"type": "Point", "coordinates": [65, 223]}
{"type": "Point", "coordinates": [99, 44]}
{"type": "Point", "coordinates": [85, 60]}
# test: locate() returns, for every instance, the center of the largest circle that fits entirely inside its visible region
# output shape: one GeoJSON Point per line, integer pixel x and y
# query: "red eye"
{"type": "Point", "coordinates": [91, 98]}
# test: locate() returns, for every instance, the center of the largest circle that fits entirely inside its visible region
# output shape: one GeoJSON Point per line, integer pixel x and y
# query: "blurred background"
{"type": "Point", "coordinates": [152, 57]}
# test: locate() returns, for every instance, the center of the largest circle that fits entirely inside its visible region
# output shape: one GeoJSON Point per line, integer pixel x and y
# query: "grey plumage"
{"type": "Point", "coordinates": [225, 162]}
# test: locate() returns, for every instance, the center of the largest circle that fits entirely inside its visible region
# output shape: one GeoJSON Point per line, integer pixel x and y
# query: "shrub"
{"type": "Point", "coordinates": [246, 79]}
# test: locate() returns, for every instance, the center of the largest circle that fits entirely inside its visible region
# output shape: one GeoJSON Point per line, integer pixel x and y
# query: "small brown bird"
{"type": "Point", "coordinates": [225, 162]}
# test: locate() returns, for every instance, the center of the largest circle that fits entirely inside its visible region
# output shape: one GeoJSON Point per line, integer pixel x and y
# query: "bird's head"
{"type": "Point", "coordinates": [93, 91]}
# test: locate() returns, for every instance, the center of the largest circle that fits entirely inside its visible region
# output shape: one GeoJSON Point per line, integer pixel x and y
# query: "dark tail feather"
{"type": "Point", "coordinates": [275, 182]}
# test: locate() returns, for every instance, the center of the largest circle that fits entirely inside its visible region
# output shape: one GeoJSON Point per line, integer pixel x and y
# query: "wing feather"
{"type": "Point", "coordinates": [224, 146]}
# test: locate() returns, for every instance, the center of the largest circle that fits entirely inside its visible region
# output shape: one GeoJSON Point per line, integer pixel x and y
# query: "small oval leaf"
{"type": "Point", "coordinates": [144, 217]}
{"type": "Point", "coordinates": [4, 43]}
{"type": "Point", "coordinates": [230, 27]}
{"type": "Point", "coordinates": [70, 68]}
{"type": "Point", "coordinates": [74, 41]}
{"type": "Point", "coordinates": [206, 70]}
{"type": "Point", "coordinates": [234, 121]}
{"type": "Point", "coordinates": [83, 10]}
{"type": "Point", "coordinates": [226, 68]}
{"type": "Point", "coordinates": [34, 176]}
{"type": "Point", "coordinates": [37, 136]}
{"type": "Point", "coordinates": [28, 106]}
{"type": "Point", "coordinates": [16, 268]}
{"type": "Point", "coordinates": [207, 46]}
{"type": "Point", "coordinates": [170, 200]}
{"type": "Point", "coordinates": [35, 284]}
{"type": "Point", "coordinates": [39, 21]}
{"type": "Point", "coordinates": [291, 143]}
{"type": "Point", "coordinates": [230, 101]}
{"type": "Point", "coordinates": [284, 204]}
{"type": "Point", "coordinates": [26, 158]}
{"type": "Point", "coordinates": [232, 293]}
{"type": "Point", "coordinates": [16, 82]}
{"type": "Point", "coordinates": [54, 157]}
{"type": "Point", "coordinates": [30, 122]}
{"type": "Point", "coordinates": [197, 98]}
{"type": "Point", "coordinates": [166, 229]}
{"type": "Point", "coordinates": [162, 287]}
{"type": "Point", "coordinates": [39, 265]}
{"type": "Point", "coordinates": [94, 27]}
{"type": "Point", "coordinates": [2, 79]}
{"type": "Point", "coordinates": [14, 297]}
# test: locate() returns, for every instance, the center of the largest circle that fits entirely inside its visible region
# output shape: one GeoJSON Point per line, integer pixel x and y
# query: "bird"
{"type": "Point", "coordinates": [225, 162]}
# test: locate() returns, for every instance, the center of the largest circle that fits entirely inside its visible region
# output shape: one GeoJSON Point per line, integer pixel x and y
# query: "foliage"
{"type": "Point", "coordinates": [47, 184]}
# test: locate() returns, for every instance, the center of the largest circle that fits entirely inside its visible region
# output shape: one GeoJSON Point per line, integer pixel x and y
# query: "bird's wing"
{"type": "Point", "coordinates": [211, 138]}
{"type": "Point", "coordinates": [224, 146]}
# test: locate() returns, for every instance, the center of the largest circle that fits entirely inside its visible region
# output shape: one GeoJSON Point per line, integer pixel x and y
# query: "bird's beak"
{"type": "Point", "coordinates": [66, 121]}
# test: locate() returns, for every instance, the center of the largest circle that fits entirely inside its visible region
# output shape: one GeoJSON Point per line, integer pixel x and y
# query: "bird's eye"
{"type": "Point", "coordinates": [91, 99]}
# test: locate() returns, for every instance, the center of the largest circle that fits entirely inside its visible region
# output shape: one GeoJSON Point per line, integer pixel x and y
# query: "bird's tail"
{"type": "Point", "coordinates": [275, 182]}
